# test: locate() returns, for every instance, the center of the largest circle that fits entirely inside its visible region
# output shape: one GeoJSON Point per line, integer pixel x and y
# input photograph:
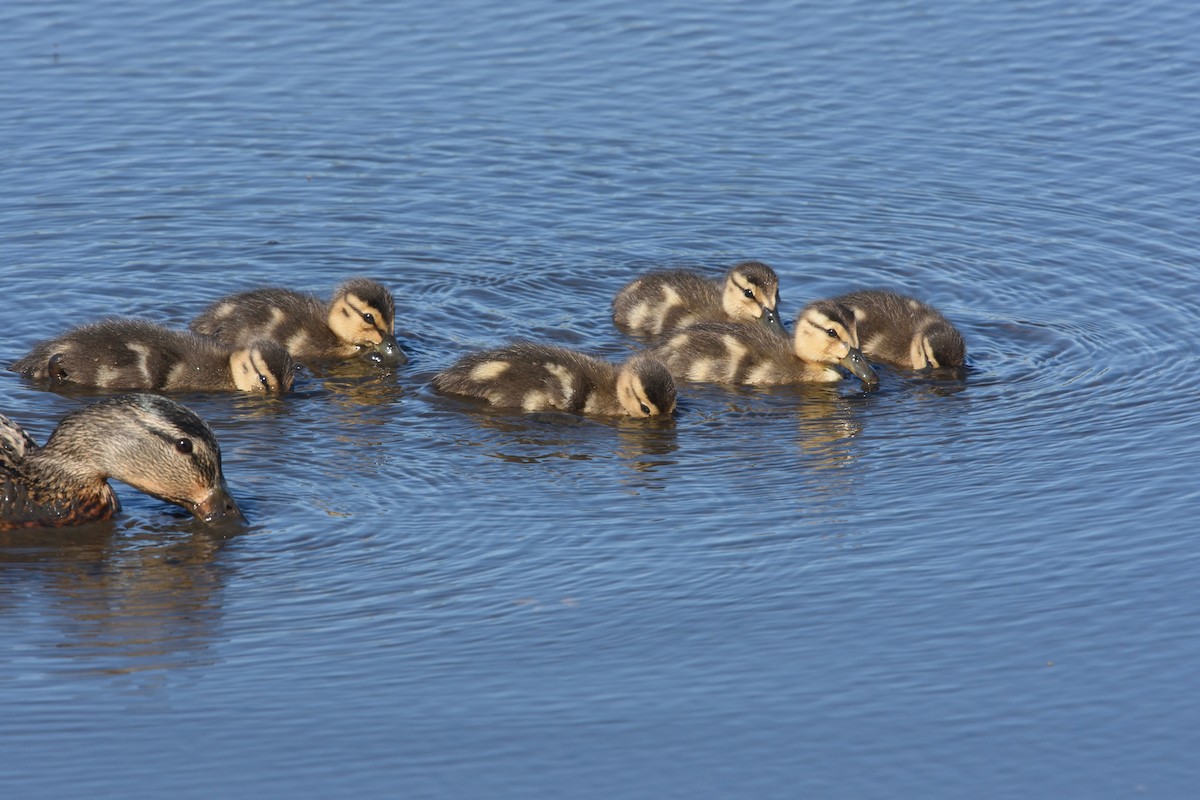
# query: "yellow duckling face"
{"type": "Point", "coordinates": [262, 368]}
{"type": "Point", "coordinates": [645, 388]}
{"type": "Point", "coordinates": [362, 314]}
{"type": "Point", "coordinates": [826, 334]}
{"type": "Point", "coordinates": [752, 294]}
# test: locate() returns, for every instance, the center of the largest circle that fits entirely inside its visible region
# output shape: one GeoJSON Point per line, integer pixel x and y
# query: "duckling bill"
{"type": "Point", "coordinates": [535, 377]}
{"type": "Point", "coordinates": [358, 322]}
{"type": "Point", "coordinates": [666, 300]}
{"type": "Point", "coordinates": [824, 339]}
{"type": "Point", "coordinates": [148, 441]}
{"type": "Point", "coordinates": [126, 354]}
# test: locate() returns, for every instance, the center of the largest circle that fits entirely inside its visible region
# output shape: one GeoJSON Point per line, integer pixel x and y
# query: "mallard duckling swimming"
{"type": "Point", "coordinates": [148, 441]}
{"type": "Point", "coordinates": [904, 331]}
{"type": "Point", "coordinates": [139, 354]}
{"type": "Point", "coordinates": [359, 321]}
{"type": "Point", "coordinates": [537, 377]}
{"type": "Point", "coordinates": [724, 352]}
{"type": "Point", "coordinates": [666, 300]}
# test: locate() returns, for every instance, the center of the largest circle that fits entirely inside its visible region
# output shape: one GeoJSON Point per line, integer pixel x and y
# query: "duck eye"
{"type": "Point", "coordinates": [263, 380]}
{"type": "Point", "coordinates": [749, 293]}
{"type": "Point", "coordinates": [368, 318]}
{"type": "Point", "coordinates": [184, 446]}
{"type": "Point", "coordinates": [832, 333]}
{"type": "Point", "coordinates": [645, 409]}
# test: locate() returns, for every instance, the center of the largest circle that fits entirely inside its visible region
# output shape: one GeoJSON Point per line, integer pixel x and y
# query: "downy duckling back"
{"type": "Point", "coordinates": [720, 352]}
{"type": "Point", "coordinates": [138, 354]}
{"type": "Point", "coordinates": [148, 441]}
{"type": "Point", "coordinates": [536, 377]}
{"type": "Point", "coordinates": [358, 322]}
{"type": "Point", "coordinates": [904, 331]}
{"type": "Point", "coordinates": [667, 300]}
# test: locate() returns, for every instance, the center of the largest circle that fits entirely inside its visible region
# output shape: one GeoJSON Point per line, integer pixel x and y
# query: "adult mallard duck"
{"type": "Point", "coordinates": [148, 441]}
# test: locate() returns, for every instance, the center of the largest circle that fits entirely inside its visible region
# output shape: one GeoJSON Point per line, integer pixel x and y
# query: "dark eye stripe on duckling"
{"type": "Point", "coordinates": [379, 319]}
{"type": "Point", "coordinates": [834, 316]}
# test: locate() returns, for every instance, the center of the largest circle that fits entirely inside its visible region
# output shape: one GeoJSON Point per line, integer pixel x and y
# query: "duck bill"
{"type": "Point", "coordinates": [219, 505]}
{"type": "Point", "coordinates": [770, 318]}
{"type": "Point", "coordinates": [857, 363]}
{"type": "Point", "coordinates": [386, 354]}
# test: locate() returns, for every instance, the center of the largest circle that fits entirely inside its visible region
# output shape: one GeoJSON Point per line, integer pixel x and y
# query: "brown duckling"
{"type": "Point", "coordinates": [536, 377]}
{"type": "Point", "coordinates": [359, 321]}
{"type": "Point", "coordinates": [148, 441]}
{"type": "Point", "coordinates": [667, 300]}
{"type": "Point", "coordinates": [724, 352]}
{"type": "Point", "coordinates": [121, 353]}
{"type": "Point", "coordinates": [904, 331]}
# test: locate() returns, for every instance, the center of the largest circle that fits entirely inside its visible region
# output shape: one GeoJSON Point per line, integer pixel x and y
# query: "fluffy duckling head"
{"type": "Point", "coordinates": [363, 314]}
{"type": "Point", "coordinates": [262, 368]}
{"type": "Point", "coordinates": [752, 295]}
{"type": "Point", "coordinates": [152, 443]}
{"type": "Point", "coordinates": [826, 334]}
{"type": "Point", "coordinates": [939, 345]}
{"type": "Point", "coordinates": [645, 387]}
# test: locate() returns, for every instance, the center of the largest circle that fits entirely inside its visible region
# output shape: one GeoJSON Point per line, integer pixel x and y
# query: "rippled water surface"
{"type": "Point", "coordinates": [985, 587]}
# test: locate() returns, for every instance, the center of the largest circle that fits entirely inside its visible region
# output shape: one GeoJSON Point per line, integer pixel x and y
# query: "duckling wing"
{"type": "Point", "coordinates": [273, 314]}
{"type": "Point", "coordinates": [666, 300]}
{"type": "Point", "coordinates": [727, 352]}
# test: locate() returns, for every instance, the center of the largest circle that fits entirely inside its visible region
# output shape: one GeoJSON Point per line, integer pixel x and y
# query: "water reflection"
{"type": "Point", "coordinates": [646, 445]}
{"type": "Point", "coordinates": [352, 384]}
{"type": "Point", "coordinates": [642, 445]}
{"type": "Point", "coordinates": [113, 603]}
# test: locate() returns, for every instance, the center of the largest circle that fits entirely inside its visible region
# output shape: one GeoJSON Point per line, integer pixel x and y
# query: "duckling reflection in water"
{"type": "Point", "coordinates": [148, 441]}
{"type": "Point", "coordinates": [825, 337]}
{"type": "Point", "coordinates": [359, 321]}
{"type": "Point", "coordinates": [666, 300]}
{"type": "Point", "coordinates": [536, 377]}
{"type": "Point", "coordinates": [904, 331]}
{"type": "Point", "coordinates": [139, 354]}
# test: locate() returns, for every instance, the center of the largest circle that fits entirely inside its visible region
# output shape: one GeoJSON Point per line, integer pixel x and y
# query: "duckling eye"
{"type": "Point", "coordinates": [749, 293]}
{"type": "Point", "coordinates": [263, 380]}
{"type": "Point", "coordinates": [832, 333]}
{"type": "Point", "coordinates": [184, 446]}
{"type": "Point", "coordinates": [645, 409]}
{"type": "Point", "coordinates": [368, 318]}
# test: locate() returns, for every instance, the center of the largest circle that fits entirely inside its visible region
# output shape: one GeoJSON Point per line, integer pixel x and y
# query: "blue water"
{"type": "Point", "coordinates": [983, 587]}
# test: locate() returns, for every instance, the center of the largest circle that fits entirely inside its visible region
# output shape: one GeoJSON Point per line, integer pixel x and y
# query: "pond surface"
{"type": "Point", "coordinates": [984, 587]}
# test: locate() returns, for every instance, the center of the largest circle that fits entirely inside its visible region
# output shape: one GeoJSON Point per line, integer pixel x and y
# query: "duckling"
{"type": "Point", "coordinates": [148, 441]}
{"type": "Point", "coordinates": [537, 377]}
{"type": "Point", "coordinates": [904, 331]}
{"type": "Point", "coordinates": [666, 300]}
{"type": "Point", "coordinates": [122, 353]}
{"type": "Point", "coordinates": [359, 321]}
{"type": "Point", "coordinates": [724, 352]}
